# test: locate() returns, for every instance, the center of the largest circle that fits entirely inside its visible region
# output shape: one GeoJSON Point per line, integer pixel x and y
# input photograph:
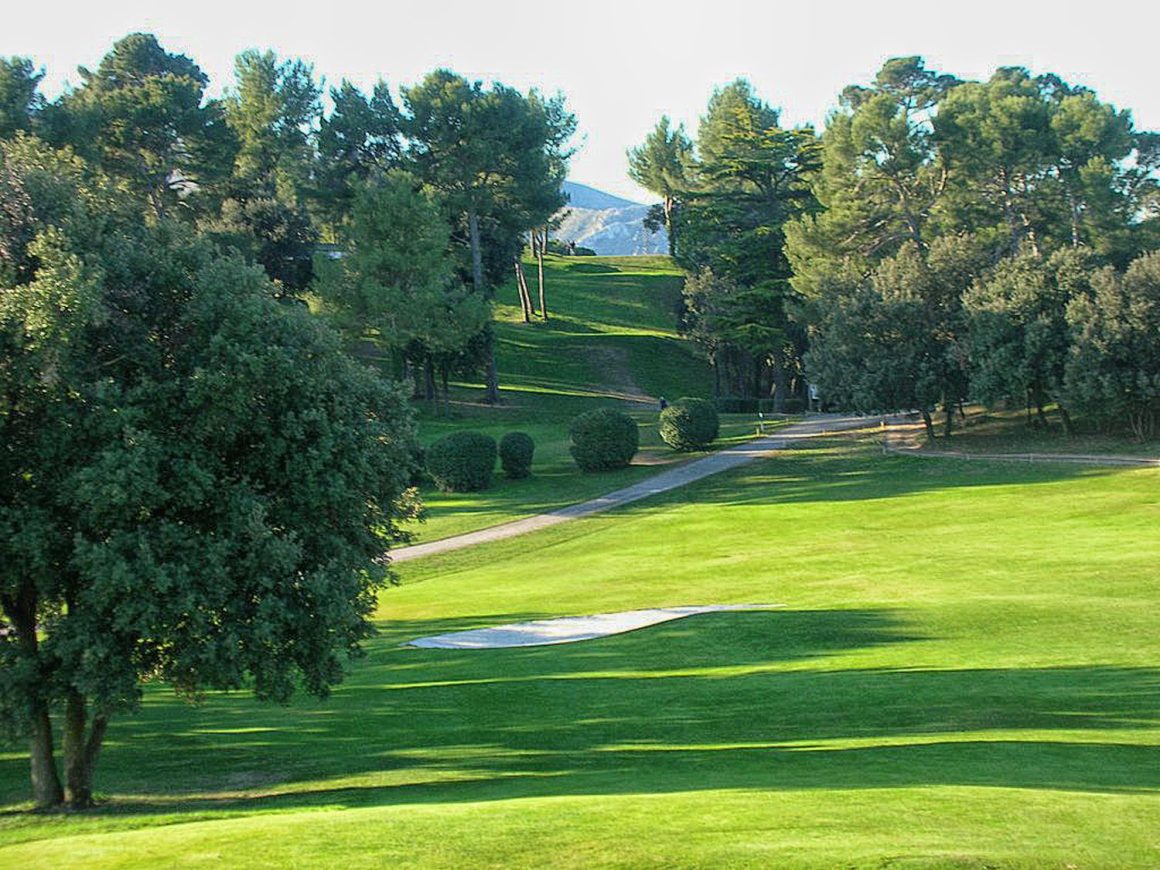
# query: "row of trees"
{"type": "Point", "coordinates": [266, 172]}
{"type": "Point", "coordinates": [198, 482]}
{"type": "Point", "coordinates": [940, 240]}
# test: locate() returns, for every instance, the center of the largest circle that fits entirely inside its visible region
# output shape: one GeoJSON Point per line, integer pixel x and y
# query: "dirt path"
{"type": "Point", "coordinates": [723, 460]}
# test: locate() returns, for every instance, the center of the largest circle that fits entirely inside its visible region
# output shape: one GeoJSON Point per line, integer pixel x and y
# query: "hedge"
{"type": "Point", "coordinates": [515, 454]}
{"type": "Point", "coordinates": [462, 461]}
{"type": "Point", "coordinates": [689, 424]}
{"type": "Point", "coordinates": [604, 439]}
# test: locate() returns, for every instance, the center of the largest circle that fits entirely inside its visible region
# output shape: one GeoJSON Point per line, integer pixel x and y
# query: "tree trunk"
{"type": "Point", "coordinates": [47, 792]}
{"type": "Point", "coordinates": [80, 751]}
{"type": "Point", "coordinates": [780, 387]}
{"type": "Point", "coordinates": [928, 423]}
{"type": "Point", "coordinates": [429, 379]}
{"type": "Point", "coordinates": [670, 228]}
{"type": "Point", "coordinates": [491, 392]}
{"type": "Point", "coordinates": [540, 271]}
{"type": "Point", "coordinates": [1065, 419]}
{"type": "Point", "coordinates": [522, 289]}
{"type": "Point", "coordinates": [949, 422]}
{"type": "Point", "coordinates": [46, 789]}
{"type": "Point", "coordinates": [476, 252]}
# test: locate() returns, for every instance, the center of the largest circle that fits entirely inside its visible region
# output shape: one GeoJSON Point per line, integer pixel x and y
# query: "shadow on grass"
{"type": "Point", "coordinates": [840, 469]}
{"type": "Point", "coordinates": [718, 701]}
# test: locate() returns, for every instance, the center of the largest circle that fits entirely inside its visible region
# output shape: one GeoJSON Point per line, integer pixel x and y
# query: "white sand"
{"type": "Point", "coordinates": [570, 629]}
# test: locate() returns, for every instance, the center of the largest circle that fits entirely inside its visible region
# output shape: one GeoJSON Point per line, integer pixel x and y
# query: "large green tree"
{"type": "Point", "coordinates": [395, 283]}
{"type": "Point", "coordinates": [142, 117]}
{"type": "Point", "coordinates": [196, 485]}
{"type": "Point", "coordinates": [662, 165]}
{"type": "Point", "coordinates": [498, 159]}
{"type": "Point", "coordinates": [1113, 370]}
{"type": "Point", "coordinates": [362, 135]}
{"type": "Point", "coordinates": [749, 177]}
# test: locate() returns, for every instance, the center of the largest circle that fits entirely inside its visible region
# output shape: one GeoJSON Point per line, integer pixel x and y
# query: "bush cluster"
{"type": "Point", "coordinates": [515, 454]}
{"type": "Point", "coordinates": [462, 461]}
{"type": "Point", "coordinates": [604, 439]}
{"type": "Point", "coordinates": [689, 424]}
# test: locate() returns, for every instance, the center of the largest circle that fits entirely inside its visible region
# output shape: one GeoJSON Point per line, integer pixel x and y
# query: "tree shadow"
{"type": "Point", "coordinates": [813, 471]}
{"type": "Point", "coordinates": [739, 700]}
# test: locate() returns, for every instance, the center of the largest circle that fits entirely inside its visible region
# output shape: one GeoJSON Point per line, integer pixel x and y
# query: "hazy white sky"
{"type": "Point", "coordinates": [623, 64]}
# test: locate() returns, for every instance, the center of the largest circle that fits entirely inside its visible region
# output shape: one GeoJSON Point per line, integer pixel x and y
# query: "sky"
{"type": "Point", "coordinates": [621, 65]}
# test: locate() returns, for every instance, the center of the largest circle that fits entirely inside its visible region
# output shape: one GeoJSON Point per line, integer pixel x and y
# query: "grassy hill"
{"type": "Point", "coordinates": [610, 339]}
{"type": "Point", "coordinates": [965, 674]}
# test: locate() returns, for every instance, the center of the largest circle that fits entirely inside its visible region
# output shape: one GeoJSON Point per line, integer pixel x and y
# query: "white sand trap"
{"type": "Point", "coordinates": [570, 629]}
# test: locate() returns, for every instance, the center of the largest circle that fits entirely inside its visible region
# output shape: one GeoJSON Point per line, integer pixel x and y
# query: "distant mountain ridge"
{"type": "Point", "coordinates": [609, 225]}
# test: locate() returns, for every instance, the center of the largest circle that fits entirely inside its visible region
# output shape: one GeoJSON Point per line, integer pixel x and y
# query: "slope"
{"type": "Point", "coordinates": [610, 339]}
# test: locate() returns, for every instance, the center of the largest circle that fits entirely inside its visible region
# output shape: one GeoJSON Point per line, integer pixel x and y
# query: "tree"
{"type": "Point", "coordinates": [361, 136]}
{"type": "Point", "coordinates": [1019, 335]}
{"type": "Point", "coordinates": [272, 110]}
{"type": "Point", "coordinates": [881, 179]}
{"type": "Point", "coordinates": [1113, 371]}
{"type": "Point", "coordinates": [896, 339]}
{"type": "Point", "coordinates": [395, 282]}
{"type": "Point", "coordinates": [661, 165]}
{"type": "Point", "coordinates": [141, 116]}
{"type": "Point", "coordinates": [751, 176]}
{"type": "Point", "coordinates": [196, 485]}
{"type": "Point", "coordinates": [498, 160]}
{"type": "Point", "coordinates": [19, 100]}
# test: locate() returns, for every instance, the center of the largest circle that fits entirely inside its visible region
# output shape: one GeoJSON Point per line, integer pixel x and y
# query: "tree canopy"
{"type": "Point", "coordinates": [198, 485]}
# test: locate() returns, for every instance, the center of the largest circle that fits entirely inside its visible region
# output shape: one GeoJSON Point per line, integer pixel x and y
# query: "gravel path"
{"type": "Point", "coordinates": [722, 460]}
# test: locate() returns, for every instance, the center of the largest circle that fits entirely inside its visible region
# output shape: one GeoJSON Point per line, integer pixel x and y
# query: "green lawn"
{"type": "Point", "coordinates": [965, 674]}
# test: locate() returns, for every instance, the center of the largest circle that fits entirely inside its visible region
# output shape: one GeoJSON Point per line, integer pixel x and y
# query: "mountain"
{"type": "Point", "coordinates": [607, 224]}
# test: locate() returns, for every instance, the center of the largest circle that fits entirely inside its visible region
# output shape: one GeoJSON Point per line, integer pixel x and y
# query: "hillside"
{"type": "Point", "coordinates": [607, 224]}
{"type": "Point", "coordinates": [610, 339]}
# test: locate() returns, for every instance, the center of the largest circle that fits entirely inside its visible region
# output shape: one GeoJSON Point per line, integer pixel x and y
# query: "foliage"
{"type": "Point", "coordinates": [142, 117]}
{"type": "Point", "coordinates": [19, 99]}
{"type": "Point", "coordinates": [198, 485]}
{"type": "Point", "coordinates": [662, 165]}
{"type": "Point", "coordinates": [395, 281]}
{"type": "Point", "coordinates": [516, 450]}
{"type": "Point", "coordinates": [269, 232]}
{"type": "Point", "coordinates": [498, 160]}
{"type": "Point", "coordinates": [689, 424]}
{"type": "Point", "coordinates": [604, 439]}
{"type": "Point", "coordinates": [359, 138]}
{"type": "Point", "coordinates": [462, 461]}
{"type": "Point", "coordinates": [1113, 371]}
{"type": "Point", "coordinates": [1019, 335]}
{"type": "Point", "coordinates": [747, 178]}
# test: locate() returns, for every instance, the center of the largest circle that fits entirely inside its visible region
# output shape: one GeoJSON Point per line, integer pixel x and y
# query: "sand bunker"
{"type": "Point", "coordinates": [570, 629]}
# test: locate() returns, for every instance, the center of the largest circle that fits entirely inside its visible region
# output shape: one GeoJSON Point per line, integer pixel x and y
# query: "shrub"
{"type": "Point", "coordinates": [604, 439]}
{"type": "Point", "coordinates": [515, 454]}
{"type": "Point", "coordinates": [689, 424]}
{"type": "Point", "coordinates": [462, 461]}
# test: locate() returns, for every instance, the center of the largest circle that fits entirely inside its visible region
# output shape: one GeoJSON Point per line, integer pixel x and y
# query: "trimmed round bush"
{"type": "Point", "coordinates": [515, 454]}
{"type": "Point", "coordinates": [689, 424]}
{"type": "Point", "coordinates": [462, 461]}
{"type": "Point", "coordinates": [604, 439]}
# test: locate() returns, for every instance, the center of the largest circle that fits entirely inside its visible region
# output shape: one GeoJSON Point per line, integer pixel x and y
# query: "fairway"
{"type": "Point", "coordinates": [965, 674]}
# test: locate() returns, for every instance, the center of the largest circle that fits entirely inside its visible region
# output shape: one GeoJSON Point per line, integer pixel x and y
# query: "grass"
{"type": "Point", "coordinates": [965, 675]}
